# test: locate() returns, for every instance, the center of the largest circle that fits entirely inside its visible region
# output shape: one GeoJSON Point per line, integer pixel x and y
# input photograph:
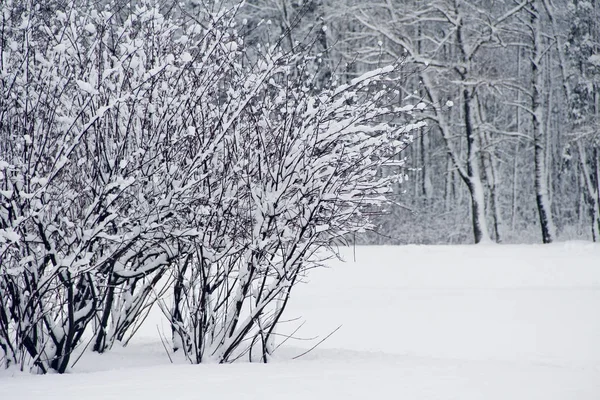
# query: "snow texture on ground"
{"type": "Point", "coordinates": [417, 322]}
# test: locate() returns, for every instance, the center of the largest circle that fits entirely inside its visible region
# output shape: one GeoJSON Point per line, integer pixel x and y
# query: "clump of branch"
{"type": "Point", "coordinates": [152, 152]}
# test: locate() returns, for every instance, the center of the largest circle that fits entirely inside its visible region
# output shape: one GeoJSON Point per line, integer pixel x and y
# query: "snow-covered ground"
{"type": "Point", "coordinates": [417, 322]}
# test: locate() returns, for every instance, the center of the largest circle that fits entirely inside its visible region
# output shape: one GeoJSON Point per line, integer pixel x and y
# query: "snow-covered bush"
{"type": "Point", "coordinates": [296, 172]}
{"type": "Point", "coordinates": [99, 164]}
{"type": "Point", "coordinates": [151, 150]}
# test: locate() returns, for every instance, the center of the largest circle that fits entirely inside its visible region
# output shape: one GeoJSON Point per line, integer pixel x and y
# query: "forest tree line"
{"type": "Point", "coordinates": [512, 87]}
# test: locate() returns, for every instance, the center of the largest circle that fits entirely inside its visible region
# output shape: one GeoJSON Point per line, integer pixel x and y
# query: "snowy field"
{"type": "Point", "coordinates": [417, 322]}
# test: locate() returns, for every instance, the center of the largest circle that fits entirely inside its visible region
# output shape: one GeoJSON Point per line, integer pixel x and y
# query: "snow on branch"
{"type": "Point", "coordinates": [157, 151]}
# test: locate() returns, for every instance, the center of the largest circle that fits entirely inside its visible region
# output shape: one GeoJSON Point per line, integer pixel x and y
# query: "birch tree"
{"type": "Point", "coordinates": [536, 111]}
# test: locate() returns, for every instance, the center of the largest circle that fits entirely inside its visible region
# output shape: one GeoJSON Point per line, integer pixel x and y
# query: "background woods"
{"type": "Point", "coordinates": [511, 95]}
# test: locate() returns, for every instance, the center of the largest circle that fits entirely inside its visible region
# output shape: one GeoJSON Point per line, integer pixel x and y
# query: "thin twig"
{"type": "Point", "coordinates": [162, 340]}
{"type": "Point", "coordinates": [83, 351]}
{"type": "Point", "coordinates": [315, 346]}
{"type": "Point", "coordinates": [290, 335]}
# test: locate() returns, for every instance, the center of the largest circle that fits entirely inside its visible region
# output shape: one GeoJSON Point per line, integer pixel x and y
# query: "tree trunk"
{"type": "Point", "coordinates": [539, 158]}
{"type": "Point", "coordinates": [100, 342]}
{"type": "Point", "coordinates": [473, 178]}
{"type": "Point", "coordinates": [590, 172]}
{"type": "Point", "coordinates": [426, 185]}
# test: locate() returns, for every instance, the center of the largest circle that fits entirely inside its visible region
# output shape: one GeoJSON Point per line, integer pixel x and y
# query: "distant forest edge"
{"type": "Point", "coordinates": [516, 158]}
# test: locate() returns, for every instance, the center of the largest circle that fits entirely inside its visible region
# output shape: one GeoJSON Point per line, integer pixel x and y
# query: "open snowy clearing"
{"type": "Point", "coordinates": [417, 322]}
